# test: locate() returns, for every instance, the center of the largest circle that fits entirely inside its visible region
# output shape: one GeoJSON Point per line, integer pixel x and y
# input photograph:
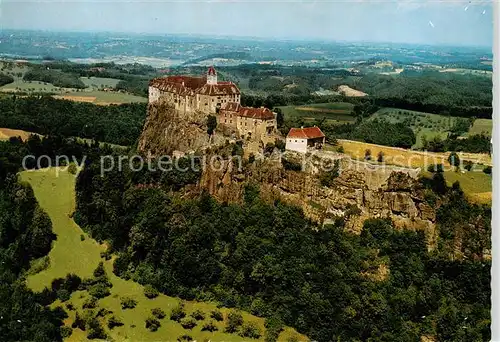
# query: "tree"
{"type": "Point", "coordinates": [128, 303]}
{"type": "Point", "coordinates": [150, 292]}
{"type": "Point", "coordinates": [368, 154]}
{"type": "Point", "coordinates": [158, 313]}
{"type": "Point", "coordinates": [454, 159]}
{"type": "Point", "coordinates": [380, 157]}
{"type": "Point", "coordinates": [487, 170]}
{"type": "Point", "coordinates": [234, 321]}
{"type": "Point", "coordinates": [152, 324]}
{"type": "Point", "coordinates": [250, 329]}
{"type": "Point", "coordinates": [279, 117]}
{"type": "Point", "coordinates": [211, 124]}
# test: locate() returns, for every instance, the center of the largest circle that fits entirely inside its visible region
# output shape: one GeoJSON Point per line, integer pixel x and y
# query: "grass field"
{"type": "Point", "coordinates": [476, 184]}
{"type": "Point", "coordinates": [481, 126]}
{"type": "Point", "coordinates": [338, 112]}
{"type": "Point", "coordinates": [430, 125]}
{"type": "Point", "coordinates": [423, 124]}
{"type": "Point", "coordinates": [54, 190]}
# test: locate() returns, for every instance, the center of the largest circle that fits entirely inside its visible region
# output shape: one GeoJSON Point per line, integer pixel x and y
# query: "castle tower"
{"type": "Point", "coordinates": [211, 76]}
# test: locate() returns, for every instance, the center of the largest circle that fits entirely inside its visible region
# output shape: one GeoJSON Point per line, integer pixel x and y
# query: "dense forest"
{"type": "Point", "coordinates": [116, 124]}
{"type": "Point", "coordinates": [5, 79]}
{"type": "Point", "coordinates": [269, 259]}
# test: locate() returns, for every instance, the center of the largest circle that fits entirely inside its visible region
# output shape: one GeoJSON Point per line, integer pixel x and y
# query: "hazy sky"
{"type": "Point", "coordinates": [448, 22]}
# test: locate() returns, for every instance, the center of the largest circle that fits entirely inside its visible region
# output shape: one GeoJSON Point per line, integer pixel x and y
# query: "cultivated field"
{"type": "Point", "coordinates": [338, 112]}
{"type": "Point", "coordinates": [54, 190]}
{"type": "Point", "coordinates": [476, 184]}
{"type": "Point", "coordinates": [7, 133]}
{"type": "Point", "coordinates": [481, 126]}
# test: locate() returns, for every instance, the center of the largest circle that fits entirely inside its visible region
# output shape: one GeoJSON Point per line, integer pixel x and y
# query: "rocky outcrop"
{"type": "Point", "coordinates": [356, 194]}
{"type": "Point", "coordinates": [166, 131]}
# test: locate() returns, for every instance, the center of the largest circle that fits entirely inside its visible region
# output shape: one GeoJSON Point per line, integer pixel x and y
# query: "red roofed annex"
{"type": "Point", "coordinates": [250, 122]}
{"type": "Point", "coordinates": [299, 139]}
{"type": "Point", "coordinates": [188, 93]}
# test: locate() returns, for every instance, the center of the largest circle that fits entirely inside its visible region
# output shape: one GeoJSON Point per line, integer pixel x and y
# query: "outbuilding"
{"type": "Point", "coordinates": [299, 139]}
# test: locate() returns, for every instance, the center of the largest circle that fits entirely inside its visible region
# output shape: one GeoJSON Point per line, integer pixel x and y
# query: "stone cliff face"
{"type": "Point", "coordinates": [166, 131]}
{"type": "Point", "coordinates": [358, 193]}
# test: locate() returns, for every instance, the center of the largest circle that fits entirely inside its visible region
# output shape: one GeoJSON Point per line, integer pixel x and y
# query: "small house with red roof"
{"type": "Point", "coordinates": [300, 139]}
{"type": "Point", "coordinates": [188, 93]}
{"type": "Point", "coordinates": [248, 121]}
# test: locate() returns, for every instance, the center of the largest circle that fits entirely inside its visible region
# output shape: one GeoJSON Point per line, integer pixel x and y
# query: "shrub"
{"type": "Point", "coordinates": [209, 326]}
{"type": "Point", "coordinates": [70, 306]}
{"type": "Point", "coordinates": [188, 323]}
{"type": "Point", "coordinates": [291, 165]}
{"type": "Point", "coordinates": [72, 169]}
{"type": "Point", "coordinates": [487, 170]}
{"type": "Point", "coordinates": [435, 168]}
{"type": "Point", "coordinates": [274, 326]}
{"type": "Point", "coordinates": [280, 144]}
{"type": "Point", "coordinates": [103, 312]}
{"type": "Point", "coordinates": [453, 159]}
{"type": "Point", "coordinates": [150, 292]}
{"type": "Point", "coordinates": [178, 313]}
{"type": "Point", "coordinates": [251, 330]}
{"type": "Point", "coordinates": [114, 322]}
{"type": "Point", "coordinates": [79, 322]}
{"type": "Point", "coordinates": [99, 290]}
{"type": "Point", "coordinates": [66, 331]}
{"type": "Point", "coordinates": [152, 324]}
{"type": "Point", "coordinates": [158, 313]}
{"type": "Point", "coordinates": [94, 329]}
{"type": "Point", "coordinates": [99, 271]}
{"type": "Point", "coordinates": [128, 303]}
{"type": "Point", "coordinates": [198, 315]}
{"type": "Point", "coordinates": [63, 295]}
{"type": "Point", "coordinates": [234, 321]}
{"type": "Point", "coordinates": [184, 338]}
{"type": "Point", "coordinates": [468, 165]}
{"type": "Point", "coordinates": [251, 158]}
{"type": "Point", "coordinates": [90, 303]}
{"type": "Point", "coordinates": [82, 237]}
{"type": "Point", "coordinates": [368, 154]}
{"type": "Point", "coordinates": [380, 157]}
{"type": "Point", "coordinates": [340, 149]}
{"type": "Point", "coordinates": [217, 315]}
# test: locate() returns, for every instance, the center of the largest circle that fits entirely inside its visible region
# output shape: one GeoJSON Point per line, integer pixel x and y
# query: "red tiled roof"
{"type": "Point", "coordinates": [219, 89]}
{"type": "Point", "coordinates": [230, 106]}
{"type": "Point", "coordinates": [248, 112]}
{"type": "Point", "coordinates": [305, 133]}
{"type": "Point", "coordinates": [188, 85]}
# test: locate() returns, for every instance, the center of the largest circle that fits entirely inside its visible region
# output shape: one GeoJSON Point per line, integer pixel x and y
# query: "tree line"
{"type": "Point", "coordinates": [116, 124]}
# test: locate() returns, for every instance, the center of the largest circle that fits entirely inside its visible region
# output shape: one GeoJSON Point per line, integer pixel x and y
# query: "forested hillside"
{"type": "Point", "coordinates": [269, 259]}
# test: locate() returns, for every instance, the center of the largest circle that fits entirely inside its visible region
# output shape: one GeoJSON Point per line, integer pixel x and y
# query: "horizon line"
{"type": "Point", "coordinates": [244, 38]}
